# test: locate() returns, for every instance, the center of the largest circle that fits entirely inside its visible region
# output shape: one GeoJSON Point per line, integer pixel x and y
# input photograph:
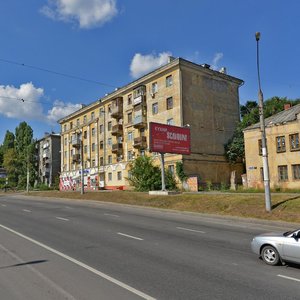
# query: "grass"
{"type": "Point", "coordinates": [285, 207]}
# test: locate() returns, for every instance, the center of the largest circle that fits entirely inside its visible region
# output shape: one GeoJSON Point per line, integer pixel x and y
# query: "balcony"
{"type": "Point", "coordinates": [46, 145]}
{"type": "Point", "coordinates": [46, 154]}
{"type": "Point", "coordinates": [117, 108]}
{"type": "Point", "coordinates": [117, 148]}
{"type": "Point", "coordinates": [117, 130]}
{"type": "Point", "coordinates": [46, 172]}
{"type": "Point", "coordinates": [75, 141]}
{"type": "Point", "coordinates": [139, 121]}
{"type": "Point", "coordinates": [138, 100]}
{"type": "Point", "coordinates": [76, 157]}
{"type": "Point", "coordinates": [140, 142]}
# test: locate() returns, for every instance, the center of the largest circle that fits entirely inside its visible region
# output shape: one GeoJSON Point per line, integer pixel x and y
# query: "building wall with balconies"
{"type": "Point", "coordinates": [114, 130]}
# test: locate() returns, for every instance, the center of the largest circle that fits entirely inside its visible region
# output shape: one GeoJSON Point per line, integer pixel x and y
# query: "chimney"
{"type": "Point", "coordinates": [287, 106]}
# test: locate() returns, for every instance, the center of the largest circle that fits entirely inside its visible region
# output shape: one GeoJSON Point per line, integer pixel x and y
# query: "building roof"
{"type": "Point", "coordinates": [280, 118]}
{"type": "Point", "coordinates": [173, 62]}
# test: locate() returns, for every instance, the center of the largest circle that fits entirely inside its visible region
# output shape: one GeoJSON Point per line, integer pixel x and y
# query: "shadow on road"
{"type": "Point", "coordinates": [34, 262]}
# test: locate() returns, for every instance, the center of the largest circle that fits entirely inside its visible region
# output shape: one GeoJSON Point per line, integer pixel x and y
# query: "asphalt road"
{"type": "Point", "coordinates": [62, 249]}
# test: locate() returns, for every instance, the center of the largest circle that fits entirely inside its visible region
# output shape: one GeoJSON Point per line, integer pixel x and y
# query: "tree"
{"type": "Point", "coordinates": [10, 163]}
{"type": "Point", "coordinates": [25, 149]}
{"type": "Point", "coordinates": [144, 176]}
{"type": "Point", "coordinates": [8, 143]}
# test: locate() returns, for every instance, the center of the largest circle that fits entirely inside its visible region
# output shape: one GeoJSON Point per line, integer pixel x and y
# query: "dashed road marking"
{"type": "Point", "coordinates": [192, 230]}
{"type": "Point", "coordinates": [289, 278]}
{"type": "Point", "coordinates": [26, 210]}
{"type": "Point", "coordinates": [63, 219]}
{"type": "Point", "coordinates": [130, 236]}
{"type": "Point", "coordinates": [112, 215]}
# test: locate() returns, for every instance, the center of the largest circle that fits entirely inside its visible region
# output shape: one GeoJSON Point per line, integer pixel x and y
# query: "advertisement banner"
{"type": "Point", "coordinates": [169, 139]}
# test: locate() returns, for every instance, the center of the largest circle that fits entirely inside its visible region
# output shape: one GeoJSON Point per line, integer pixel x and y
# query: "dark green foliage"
{"type": "Point", "coordinates": [180, 172]}
{"type": "Point", "coordinates": [144, 176]}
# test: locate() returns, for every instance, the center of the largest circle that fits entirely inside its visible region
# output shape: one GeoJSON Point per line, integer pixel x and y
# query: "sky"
{"type": "Point", "coordinates": [58, 54]}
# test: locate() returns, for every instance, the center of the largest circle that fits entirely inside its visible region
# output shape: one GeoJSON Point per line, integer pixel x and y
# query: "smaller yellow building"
{"type": "Point", "coordinates": [282, 133]}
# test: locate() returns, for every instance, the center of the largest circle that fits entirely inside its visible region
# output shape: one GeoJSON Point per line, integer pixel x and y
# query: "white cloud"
{"type": "Point", "coordinates": [142, 64]}
{"type": "Point", "coordinates": [218, 56]}
{"type": "Point", "coordinates": [12, 105]}
{"type": "Point", "coordinates": [60, 110]}
{"type": "Point", "coordinates": [87, 13]}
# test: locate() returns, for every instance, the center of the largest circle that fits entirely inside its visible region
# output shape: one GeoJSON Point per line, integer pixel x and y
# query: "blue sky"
{"type": "Point", "coordinates": [113, 42]}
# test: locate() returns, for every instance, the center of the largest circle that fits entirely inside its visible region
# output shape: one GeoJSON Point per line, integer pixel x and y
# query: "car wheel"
{"type": "Point", "coordinates": [270, 255]}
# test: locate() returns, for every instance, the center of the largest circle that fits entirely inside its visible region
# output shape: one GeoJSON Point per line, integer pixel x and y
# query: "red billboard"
{"type": "Point", "coordinates": [169, 139]}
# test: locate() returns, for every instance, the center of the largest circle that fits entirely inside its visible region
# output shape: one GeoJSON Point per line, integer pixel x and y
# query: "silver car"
{"type": "Point", "coordinates": [275, 248]}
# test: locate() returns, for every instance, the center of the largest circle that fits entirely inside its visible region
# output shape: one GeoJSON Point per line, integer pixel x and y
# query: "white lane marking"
{"type": "Point", "coordinates": [130, 236]}
{"type": "Point", "coordinates": [63, 219]}
{"type": "Point", "coordinates": [188, 229]}
{"type": "Point", "coordinates": [112, 215]}
{"type": "Point", "coordinates": [4, 205]}
{"type": "Point", "coordinates": [26, 210]}
{"type": "Point", "coordinates": [290, 278]}
{"type": "Point", "coordinates": [79, 263]}
{"type": "Point", "coordinates": [68, 207]}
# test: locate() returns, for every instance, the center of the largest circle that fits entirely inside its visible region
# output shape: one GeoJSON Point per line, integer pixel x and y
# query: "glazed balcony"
{"type": "Point", "coordinates": [140, 142]}
{"type": "Point", "coordinates": [117, 148]}
{"type": "Point", "coordinates": [117, 108]}
{"type": "Point", "coordinates": [117, 130]}
{"type": "Point", "coordinates": [75, 141]}
{"type": "Point", "coordinates": [139, 121]}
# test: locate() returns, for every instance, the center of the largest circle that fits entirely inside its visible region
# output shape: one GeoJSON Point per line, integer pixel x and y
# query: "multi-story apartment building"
{"type": "Point", "coordinates": [49, 158]}
{"type": "Point", "coordinates": [114, 130]}
{"type": "Point", "coordinates": [282, 133]}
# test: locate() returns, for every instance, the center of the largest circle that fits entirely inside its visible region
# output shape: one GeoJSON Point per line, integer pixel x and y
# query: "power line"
{"type": "Point", "coordinates": [31, 101]}
{"type": "Point", "coordinates": [56, 73]}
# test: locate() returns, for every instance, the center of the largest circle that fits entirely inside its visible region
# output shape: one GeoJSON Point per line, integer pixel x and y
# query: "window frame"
{"type": "Point", "coordinates": [155, 108]}
{"type": "Point", "coordinates": [296, 147]}
{"type": "Point", "coordinates": [282, 173]}
{"type": "Point", "coordinates": [280, 144]}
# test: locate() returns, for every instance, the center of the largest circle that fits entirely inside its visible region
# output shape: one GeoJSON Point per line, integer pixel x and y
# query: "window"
{"type": "Point", "coordinates": [129, 118]}
{"type": "Point", "coordinates": [282, 173]}
{"type": "Point", "coordinates": [296, 171]}
{"type": "Point", "coordinates": [109, 142]}
{"type": "Point", "coordinates": [85, 148]}
{"type": "Point", "coordinates": [65, 127]}
{"type": "Point", "coordinates": [170, 121]}
{"type": "Point", "coordinates": [142, 152]}
{"type": "Point", "coordinates": [129, 99]}
{"type": "Point", "coordinates": [109, 109]}
{"type": "Point", "coordinates": [109, 176]}
{"type": "Point", "coordinates": [129, 155]}
{"type": "Point", "coordinates": [170, 103]}
{"type": "Point", "coordinates": [140, 91]}
{"type": "Point", "coordinates": [85, 134]}
{"type": "Point", "coordinates": [169, 80]}
{"type": "Point", "coordinates": [71, 125]}
{"type": "Point", "coordinates": [101, 128]}
{"type": "Point", "coordinates": [84, 119]}
{"type": "Point", "coordinates": [154, 88]}
{"type": "Point", "coordinates": [66, 153]}
{"type": "Point", "coordinates": [101, 161]}
{"type": "Point", "coordinates": [109, 126]}
{"type": "Point", "coordinates": [280, 143]}
{"type": "Point", "coordinates": [260, 147]}
{"type": "Point", "coordinates": [171, 169]}
{"type": "Point", "coordinates": [93, 147]}
{"type": "Point", "coordinates": [93, 163]}
{"type": "Point", "coordinates": [85, 164]}
{"type": "Point", "coordinates": [109, 159]}
{"type": "Point", "coordinates": [119, 175]}
{"type": "Point", "coordinates": [101, 145]}
{"type": "Point", "coordinates": [92, 116]}
{"type": "Point", "coordinates": [130, 136]}
{"type": "Point", "coordinates": [93, 131]}
{"type": "Point", "coordinates": [294, 142]}
{"type": "Point", "coordinates": [262, 174]}
{"type": "Point", "coordinates": [154, 108]}
{"type": "Point", "coordinates": [66, 141]}
{"type": "Point", "coordinates": [101, 112]}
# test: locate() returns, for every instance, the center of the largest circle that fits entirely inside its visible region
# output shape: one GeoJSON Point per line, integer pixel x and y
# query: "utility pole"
{"type": "Point", "coordinates": [81, 163]}
{"type": "Point", "coordinates": [263, 133]}
{"type": "Point", "coordinates": [163, 185]}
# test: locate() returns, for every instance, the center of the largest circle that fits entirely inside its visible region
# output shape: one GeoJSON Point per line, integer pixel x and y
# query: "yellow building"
{"type": "Point", "coordinates": [114, 129]}
{"type": "Point", "coordinates": [282, 133]}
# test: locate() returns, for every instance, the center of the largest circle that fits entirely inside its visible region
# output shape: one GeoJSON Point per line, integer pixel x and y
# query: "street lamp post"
{"type": "Point", "coordinates": [263, 133]}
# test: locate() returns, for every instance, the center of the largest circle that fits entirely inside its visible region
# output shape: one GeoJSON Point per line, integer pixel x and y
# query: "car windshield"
{"type": "Point", "coordinates": [289, 232]}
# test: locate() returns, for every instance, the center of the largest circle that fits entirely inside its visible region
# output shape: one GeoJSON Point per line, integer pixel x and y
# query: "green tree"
{"type": "Point", "coordinates": [10, 163]}
{"type": "Point", "coordinates": [180, 171]}
{"type": "Point", "coordinates": [8, 143]}
{"type": "Point", "coordinates": [25, 148]}
{"type": "Point", "coordinates": [144, 176]}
